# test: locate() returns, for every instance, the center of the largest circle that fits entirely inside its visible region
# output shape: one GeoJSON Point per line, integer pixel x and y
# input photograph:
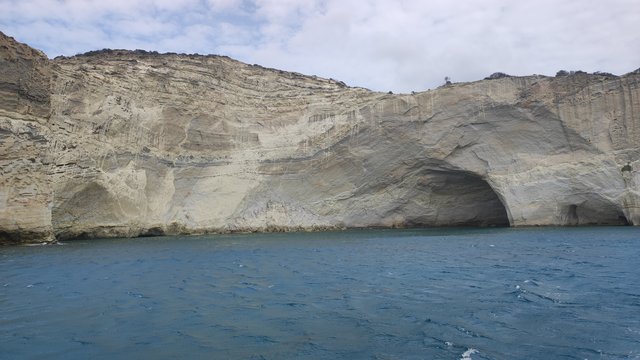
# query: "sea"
{"type": "Point", "coordinates": [443, 293]}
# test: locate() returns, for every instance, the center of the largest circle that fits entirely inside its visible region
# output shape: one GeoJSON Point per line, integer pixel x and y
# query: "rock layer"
{"type": "Point", "coordinates": [130, 143]}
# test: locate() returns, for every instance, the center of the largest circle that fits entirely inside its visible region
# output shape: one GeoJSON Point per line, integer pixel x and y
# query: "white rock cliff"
{"type": "Point", "coordinates": [129, 143]}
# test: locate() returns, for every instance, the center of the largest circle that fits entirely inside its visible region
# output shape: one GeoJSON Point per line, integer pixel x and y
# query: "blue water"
{"type": "Point", "coordinates": [570, 293]}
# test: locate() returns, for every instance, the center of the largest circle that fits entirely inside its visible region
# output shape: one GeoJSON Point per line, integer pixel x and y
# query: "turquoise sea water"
{"type": "Point", "coordinates": [544, 293]}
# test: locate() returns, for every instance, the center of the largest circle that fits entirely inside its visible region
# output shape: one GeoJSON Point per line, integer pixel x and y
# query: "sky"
{"type": "Point", "coordinates": [383, 45]}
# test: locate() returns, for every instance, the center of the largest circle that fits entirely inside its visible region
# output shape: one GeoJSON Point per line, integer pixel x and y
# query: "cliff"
{"type": "Point", "coordinates": [130, 143]}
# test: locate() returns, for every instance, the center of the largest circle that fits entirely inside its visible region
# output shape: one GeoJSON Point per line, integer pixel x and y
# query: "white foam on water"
{"type": "Point", "coordinates": [467, 354]}
{"type": "Point", "coordinates": [45, 243]}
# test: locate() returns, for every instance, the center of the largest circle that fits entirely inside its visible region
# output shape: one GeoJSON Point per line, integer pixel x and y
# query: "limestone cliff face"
{"type": "Point", "coordinates": [120, 143]}
{"type": "Point", "coordinates": [25, 106]}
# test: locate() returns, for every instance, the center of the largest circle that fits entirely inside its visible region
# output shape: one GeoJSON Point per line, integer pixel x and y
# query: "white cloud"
{"type": "Point", "coordinates": [398, 45]}
{"type": "Point", "coordinates": [412, 45]}
{"type": "Point", "coordinates": [222, 5]}
{"type": "Point", "coordinates": [189, 40]}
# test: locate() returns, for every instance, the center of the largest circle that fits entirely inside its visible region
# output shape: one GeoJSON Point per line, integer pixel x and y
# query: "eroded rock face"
{"type": "Point", "coordinates": [121, 143]}
{"type": "Point", "coordinates": [25, 187]}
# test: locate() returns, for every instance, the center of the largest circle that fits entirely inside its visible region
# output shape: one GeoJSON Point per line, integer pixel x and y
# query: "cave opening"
{"type": "Point", "coordinates": [594, 211]}
{"type": "Point", "coordinates": [458, 198]}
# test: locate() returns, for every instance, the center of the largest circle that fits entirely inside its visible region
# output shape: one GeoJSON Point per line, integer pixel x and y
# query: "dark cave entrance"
{"type": "Point", "coordinates": [457, 198]}
{"type": "Point", "coordinates": [594, 211]}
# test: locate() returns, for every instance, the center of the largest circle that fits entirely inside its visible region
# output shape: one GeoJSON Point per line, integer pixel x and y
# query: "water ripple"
{"type": "Point", "coordinates": [406, 294]}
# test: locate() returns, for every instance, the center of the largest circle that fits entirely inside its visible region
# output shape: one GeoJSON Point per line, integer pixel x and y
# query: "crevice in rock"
{"type": "Point", "coordinates": [623, 220]}
{"type": "Point", "coordinates": [572, 215]}
{"type": "Point", "coordinates": [152, 231]}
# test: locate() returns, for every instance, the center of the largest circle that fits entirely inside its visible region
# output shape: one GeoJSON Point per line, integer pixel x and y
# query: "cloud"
{"type": "Point", "coordinates": [413, 45]}
{"type": "Point", "coordinates": [224, 5]}
{"type": "Point", "coordinates": [398, 45]}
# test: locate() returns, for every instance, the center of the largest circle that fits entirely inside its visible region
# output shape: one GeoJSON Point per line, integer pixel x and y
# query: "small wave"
{"type": "Point", "coordinates": [136, 295]}
{"type": "Point", "coordinates": [82, 342]}
{"type": "Point", "coordinates": [46, 243]}
{"type": "Point", "coordinates": [467, 354]}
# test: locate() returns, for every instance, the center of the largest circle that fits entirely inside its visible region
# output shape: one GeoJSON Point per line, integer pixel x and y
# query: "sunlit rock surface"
{"type": "Point", "coordinates": [129, 143]}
